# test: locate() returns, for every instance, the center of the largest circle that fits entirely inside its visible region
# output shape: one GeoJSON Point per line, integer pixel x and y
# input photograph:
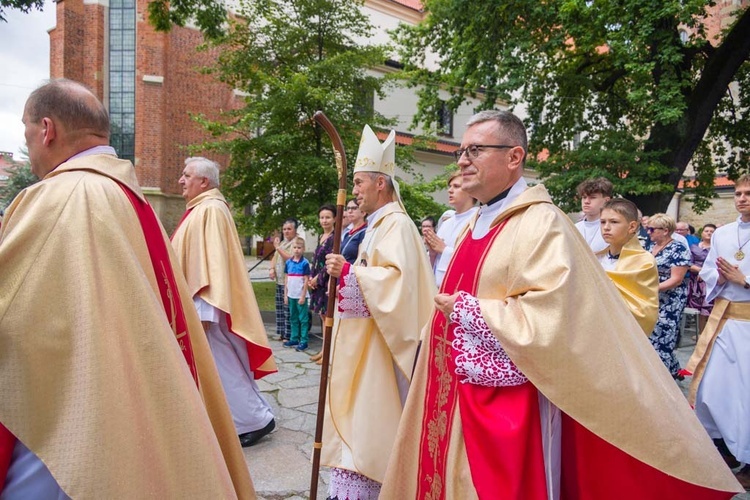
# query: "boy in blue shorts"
{"type": "Point", "coordinates": [297, 271]}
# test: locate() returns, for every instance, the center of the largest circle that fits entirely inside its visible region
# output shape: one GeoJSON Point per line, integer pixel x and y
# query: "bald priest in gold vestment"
{"type": "Point", "coordinates": [108, 386]}
{"type": "Point", "coordinates": [209, 253]}
{"type": "Point", "coordinates": [531, 382]}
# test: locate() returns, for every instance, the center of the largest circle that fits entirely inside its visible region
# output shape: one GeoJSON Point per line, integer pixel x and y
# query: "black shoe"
{"type": "Point", "coordinates": [250, 438]}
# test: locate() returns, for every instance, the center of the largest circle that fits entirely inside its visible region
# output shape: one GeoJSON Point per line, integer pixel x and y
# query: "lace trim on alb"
{"type": "Point", "coordinates": [348, 485]}
{"type": "Point", "coordinates": [480, 359]}
{"type": "Point", "coordinates": [351, 302]}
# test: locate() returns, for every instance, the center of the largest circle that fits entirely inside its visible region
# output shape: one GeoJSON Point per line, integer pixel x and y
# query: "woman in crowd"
{"type": "Point", "coordinates": [673, 262]}
{"type": "Point", "coordinates": [696, 286]}
{"type": "Point", "coordinates": [318, 284]}
{"type": "Point", "coordinates": [356, 233]}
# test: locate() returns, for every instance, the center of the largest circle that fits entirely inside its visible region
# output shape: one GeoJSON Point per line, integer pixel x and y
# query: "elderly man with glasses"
{"type": "Point", "coordinates": [530, 362]}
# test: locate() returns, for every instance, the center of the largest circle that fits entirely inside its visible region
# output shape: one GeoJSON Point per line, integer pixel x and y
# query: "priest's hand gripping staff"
{"type": "Point", "coordinates": [338, 151]}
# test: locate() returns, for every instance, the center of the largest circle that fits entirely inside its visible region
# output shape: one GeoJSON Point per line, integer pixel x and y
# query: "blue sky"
{"type": "Point", "coordinates": [24, 59]}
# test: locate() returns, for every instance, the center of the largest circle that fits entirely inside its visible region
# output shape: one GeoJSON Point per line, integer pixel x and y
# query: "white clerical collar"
{"type": "Point", "coordinates": [743, 225]}
{"type": "Point", "coordinates": [488, 213]}
{"type": "Point", "coordinates": [96, 150]}
{"type": "Point", "coordinates": [497, 207]}
{"type": "Point", "coordinates": [376, 215]}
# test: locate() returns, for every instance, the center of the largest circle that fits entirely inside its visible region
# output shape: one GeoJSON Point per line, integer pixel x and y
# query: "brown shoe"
{"type": "Point", "coordinates": [743, 476]}
{"type": "Point", "coordinates": [316, 357]}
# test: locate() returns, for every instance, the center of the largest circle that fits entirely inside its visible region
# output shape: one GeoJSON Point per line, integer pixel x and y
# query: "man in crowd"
{"type": "Point", "coordinates": [594, 193]}
{"type": "Point", "coordinates": [686, 231]}
{"type": "Point", "coordinates": [385, 299]}
{"type": "Point", "coordinates": [276, 272]}
{"type": "Point", "coordinates": [721, 361]}
{"type": "Point", "coordinates": [443, 242]}
{"type": "Point", "coordinates": [512, 395]}
{"type": "Point", "coordinates": [210, 255]}
{"type": "Point", "coordinates": [109, 389]}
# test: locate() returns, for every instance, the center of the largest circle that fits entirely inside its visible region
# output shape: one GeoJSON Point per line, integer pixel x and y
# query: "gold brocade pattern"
{"type": "Point", "coordinates": [528, 294]}
{"type": "Point", "coordinates": [105, 367]}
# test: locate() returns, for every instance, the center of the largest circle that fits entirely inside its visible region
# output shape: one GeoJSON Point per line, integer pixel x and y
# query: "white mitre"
{"type": "Point", "coordinates": [376, 157]}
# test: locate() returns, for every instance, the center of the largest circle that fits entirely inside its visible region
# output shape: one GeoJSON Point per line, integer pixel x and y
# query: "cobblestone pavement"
{"type": "Point", "coordinates": [280, 464]}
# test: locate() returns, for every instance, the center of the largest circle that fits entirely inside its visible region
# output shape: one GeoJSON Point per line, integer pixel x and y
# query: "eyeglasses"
{"type": "Point", "coordinates": [652, 229]}
{"type": "Point", "coordinates": [472, 151]}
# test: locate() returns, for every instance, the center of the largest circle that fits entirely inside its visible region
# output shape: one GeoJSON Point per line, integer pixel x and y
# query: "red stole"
{"type": "Point", "coordinates": [157, 250]}
{"type": "Point", "coordinates": [170, 297]}
{"type": "Point", "coordinates": [7, 443]}
{"type": "Point", "coordinates": [493, 419]}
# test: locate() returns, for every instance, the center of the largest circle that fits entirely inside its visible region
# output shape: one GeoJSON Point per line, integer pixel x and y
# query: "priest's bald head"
{"type": "Point", "coordinates": [198, 176]}
{"type": "Point", "coordinates": [492, 154]}
{"type": "Point", "coordinates": [62, 118]}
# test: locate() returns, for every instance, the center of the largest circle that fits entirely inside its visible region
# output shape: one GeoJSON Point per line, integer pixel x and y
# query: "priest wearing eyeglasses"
{"type": "Point", "coordinates": [530, 383]}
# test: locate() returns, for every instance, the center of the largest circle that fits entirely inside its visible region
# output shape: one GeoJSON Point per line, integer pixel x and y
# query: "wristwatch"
{"type": "Point", "coordinates": [747, 282]}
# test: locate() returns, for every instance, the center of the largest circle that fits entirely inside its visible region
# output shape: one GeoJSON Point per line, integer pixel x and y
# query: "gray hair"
{"type": "Point", "coordinates": [205, 168]}
{"type": "Point", "coordinates": [388, 180]}
{"type": "Point", "coordinates": [508, 124]}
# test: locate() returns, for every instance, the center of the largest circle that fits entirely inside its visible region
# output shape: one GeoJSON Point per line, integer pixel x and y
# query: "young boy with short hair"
{"type": "Point", "coordinates": [297, 271]}
{"type": "Point", "coordinates": [631, 268]}
{"type": "Point", "coordinates": [594, 193]}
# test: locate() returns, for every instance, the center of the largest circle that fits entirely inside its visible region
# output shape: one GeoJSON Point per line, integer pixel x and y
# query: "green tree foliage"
{"type": "Point", "coordinates": [19, 179]}
{"type": "Point", "coordinates": [24, 6]}
{"type": "Point", "coordinates": [615, 76]}
{"type": "Point", "coordinates": [292, 58]}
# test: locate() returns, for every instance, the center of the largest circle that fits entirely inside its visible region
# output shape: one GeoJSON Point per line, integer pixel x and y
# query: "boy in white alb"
{"type": "Point", "coordinates": [594, 193]}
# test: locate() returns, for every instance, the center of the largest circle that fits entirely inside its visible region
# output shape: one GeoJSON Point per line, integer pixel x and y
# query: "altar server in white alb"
{"type": "Point", "coordinates": [720, 389]}
{"type": "Point", "coordinates": [594, 193]}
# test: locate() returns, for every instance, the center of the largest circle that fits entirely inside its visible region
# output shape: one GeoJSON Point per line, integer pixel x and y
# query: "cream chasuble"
{"type": "Point", "coordinates": [92, 377]}
{"type": "Point", "coordinates": [364, 404]}
{"type": "Point", "coordinates": [608, 380]}
{"type": "Point", "coordinates": [209, 253]}
{"type": "Point", "coordinates": [637, 279]}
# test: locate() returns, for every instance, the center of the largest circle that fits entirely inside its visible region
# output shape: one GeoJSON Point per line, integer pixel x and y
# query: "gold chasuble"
{"type": "Point", "coordinates": [637, 279]}
{"type": "Point", "coordinates": [626, 429]}
{"type": "Point", "coordinates": [92, 376]}
{"type": "Point", "coordinates": [372, 351]}
{"type": "Point", "coordinates": [210, 256]}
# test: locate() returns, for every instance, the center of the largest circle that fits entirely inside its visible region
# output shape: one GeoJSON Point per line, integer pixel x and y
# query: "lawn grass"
{"type": "Point", "coordinates": [265, 294]}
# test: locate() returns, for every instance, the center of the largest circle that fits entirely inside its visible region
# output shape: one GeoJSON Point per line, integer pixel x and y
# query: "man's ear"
{"type": "Point", "coordinates": [49, 130]}
{"type": "Point", "coordinates": [516, 157]}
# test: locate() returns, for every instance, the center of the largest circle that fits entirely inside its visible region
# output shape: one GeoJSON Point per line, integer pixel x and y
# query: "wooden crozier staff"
{"type": "Point", "coordinates": [340, 154]}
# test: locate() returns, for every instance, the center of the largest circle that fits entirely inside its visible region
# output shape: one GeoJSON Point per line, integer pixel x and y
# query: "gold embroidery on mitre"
{"type": "Point", "coordinates": [365, 162]}
{"type": "Point", "coordinates": [374, 156]}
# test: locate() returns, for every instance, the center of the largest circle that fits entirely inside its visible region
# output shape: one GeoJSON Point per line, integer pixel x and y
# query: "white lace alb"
{"type": "Point", "coordinates": [348, 485]}
{"type": "Point", "coordinates": [351, 302]}
{"type": "Point", "coordinates": [480, 358]}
